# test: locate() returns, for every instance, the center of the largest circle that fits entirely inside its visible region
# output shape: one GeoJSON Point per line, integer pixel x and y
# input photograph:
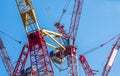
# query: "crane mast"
{"type": "Point", "coordinates": [74, 23]}
{"type": "Point", "coordinates": [61, 30]}
{"type": "Point", "coordinates": [75, 19]}
{"type": "Point", "coordinates": [37, 46]}
{"type": "Point", "coordinates": [72, 57]}
{"type": "Point", "coordinates": [39, 57]}
{"type": "Point", "coordinates": [6, 59]}
{"type": "Point", "coordinates": [69, 38]}
{"type": "Point", "coordinates": [21, 61]}
{"type": "Point", "coordinates": [88, 71]}
{"type": "Point", "coordinates": [111, 58]}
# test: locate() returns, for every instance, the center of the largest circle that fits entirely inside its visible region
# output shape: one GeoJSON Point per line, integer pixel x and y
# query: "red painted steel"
{"type": "Point", "coordinates": [6, 59]}
{"type": "Point", "coordinates": [62, 31]}
{"type": "Point", "coordinates": [21, 61]}
{"type": "Point", "coordinates": [86, 67]}
{"type": "Point", "coordinates": [70, 51]}
{"type": "Point", "coordinates": [75, 19]}
{"type": "Point", "coordinates": [111, 60]}
{"type": "Point", "coordinates": [72, 62]}
{"type": "Point", "coordinates": [39, 56]}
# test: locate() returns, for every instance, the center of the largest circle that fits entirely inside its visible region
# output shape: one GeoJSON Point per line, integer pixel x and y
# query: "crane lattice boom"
{"type": "Point", "coordinates": [74, 22]}
{"type": "Point", "coordinates": [39, 57]}
{"type": "Point", "coordinates": [75, 19]}
{"type": "Point", "coordinates": [21, 61]}
{"type": "Point", "coordinates": [111, 58]}
{"type": "Point", "coordinates": [69, 39]}
{"type": "Point", "coordinates": [6, 59]}
{"type": "Point", "coordinates": [85, 65]}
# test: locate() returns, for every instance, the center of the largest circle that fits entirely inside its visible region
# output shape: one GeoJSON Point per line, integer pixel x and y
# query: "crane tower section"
{"type": "Point", "coordinates": [69, 39]}
{"type": "Point", "coordinates": [88, 71]}
{"type": "Point", "coordinates": [5, 58]}
{"type": "Point", "coordinates": [75, 19]}
{"type": "Point", "coordinates": [39, 57]}
{"type": "Point", "coordinates": [111, 58]}
{"type": "Point", "coordinates": [21, 61]}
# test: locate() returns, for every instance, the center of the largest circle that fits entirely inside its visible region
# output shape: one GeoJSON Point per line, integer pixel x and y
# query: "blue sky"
{"type": "Point", "coordinates": [99, 22]}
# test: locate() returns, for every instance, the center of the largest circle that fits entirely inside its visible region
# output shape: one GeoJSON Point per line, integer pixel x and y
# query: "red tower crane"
{"type": "Point", "coordinates": [36, 48]}
{"type": "Point", "coordinates": [88, 71]}
{"type": "Point", "coordinates": [69, 39]}
{"type": "Point", "coordinates": [5, 58]}
{"type": "Point", "coordinates": [111, 58]}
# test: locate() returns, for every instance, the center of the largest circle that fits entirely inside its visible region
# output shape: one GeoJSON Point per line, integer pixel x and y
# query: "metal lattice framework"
{"type": "Point", "coordinates": [111, 58]}
{"type": "Point", "coordinates": [6, 59]}
{"type": "Point", "coordinates": [39, 57]}
{"type": "Point", "coordinates": [37, 46]}
{"type": "Point", "coordinates": [21, 61]}
{"type": "Point", "coordinates": [86, 67]}
{"type": "Point", "coordinates": [70, 51]}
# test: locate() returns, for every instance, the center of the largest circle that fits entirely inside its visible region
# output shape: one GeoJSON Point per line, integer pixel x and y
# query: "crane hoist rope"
{"type": "Point", "coordinates": [38, 50]}
{"type": "Point", "coordinates": [10, 37]}
{"type": "Point", "coordinates": [64, 10]}
{"type": "Point", "coordinates": [101, 45]}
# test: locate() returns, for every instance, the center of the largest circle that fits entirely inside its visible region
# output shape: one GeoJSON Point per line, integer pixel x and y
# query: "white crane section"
{"type": "Point", "coordinates": [111, 58]}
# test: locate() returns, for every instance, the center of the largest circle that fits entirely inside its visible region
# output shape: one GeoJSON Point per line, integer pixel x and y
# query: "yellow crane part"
{"type": "Point", "coordinates": [28, 15]}
{"type": "Point", "coordinates": [30, 22]}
